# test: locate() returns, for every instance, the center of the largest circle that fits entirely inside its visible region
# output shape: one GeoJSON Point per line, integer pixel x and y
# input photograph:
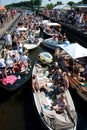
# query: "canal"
{"type": "Point", "coordinates": [17, 109]}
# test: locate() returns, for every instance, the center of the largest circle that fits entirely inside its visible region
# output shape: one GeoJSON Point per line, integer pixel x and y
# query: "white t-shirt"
{"type": "Point", "coordinates": [2, 63]}
{"type": "Point", "coordinates": [9, 63]}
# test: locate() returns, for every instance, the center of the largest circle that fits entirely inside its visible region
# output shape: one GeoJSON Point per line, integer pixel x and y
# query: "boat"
{"type": "Point", "coordinates": [16, 79]}
{"type": "Point", "coordinates": [23, 34]}
{"type": "Point", "coordinates": [35, 44]}
{"type": "Point", "coordinates": [75, 61]}
{"type": "Point", "coordinates": [50, 28]}
{"type": "Point", "coordinates": [53, 44]}
{"type": "Point", "coordinates": [45, 95]}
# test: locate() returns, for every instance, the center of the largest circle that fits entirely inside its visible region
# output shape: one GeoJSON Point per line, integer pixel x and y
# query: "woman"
{"type": "Point", "coordinates": [55, 38]}
{"type": "Point", "coordinates": [60, 103]}
{"type": "Point", "coordinates": [19, 47]}
{"type": "Point", "coordinates": [37, 85]}
{"type": "Point", "coordinates": [57, 55]}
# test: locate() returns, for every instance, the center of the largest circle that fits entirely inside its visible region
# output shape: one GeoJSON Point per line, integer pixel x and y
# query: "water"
{"type": "Point", "coordinates": [17, 109]}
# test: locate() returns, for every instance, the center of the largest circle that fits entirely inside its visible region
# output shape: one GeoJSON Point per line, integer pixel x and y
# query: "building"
{"type": "Point", "coordinates": [84, 1]}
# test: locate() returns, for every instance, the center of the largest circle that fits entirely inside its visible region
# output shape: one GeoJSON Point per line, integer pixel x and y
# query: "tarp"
{"type": "Point", "coordinates": [74, 50]}
{"type": "Point", "coordinates": [62, 7]}
{"type": "Point", "coordinates": [2, 8]}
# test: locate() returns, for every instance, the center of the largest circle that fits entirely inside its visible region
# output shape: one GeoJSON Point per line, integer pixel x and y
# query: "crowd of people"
{"type": "Point", "coordinates": [74, 17]}
{"type": "Point", "coordinates": [6, 16]}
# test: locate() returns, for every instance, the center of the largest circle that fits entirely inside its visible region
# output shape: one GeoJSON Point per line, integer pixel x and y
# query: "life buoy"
{"type": "Point", "coordinates": [45, 57]}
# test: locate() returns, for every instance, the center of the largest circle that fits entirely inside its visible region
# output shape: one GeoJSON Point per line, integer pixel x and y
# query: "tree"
{"type": "Point", "coordinates": [59, 3]}
{"type": "Point", "coordinates": [84, 1]}
{"type": "Point", "coordinates": [50, 6]}
{"type": "Point", "coordinates": [71, 3]}
{"type": "Point", "coordinates": [37, 3]}
{"type": "Point", "coordinates": [81, 2]}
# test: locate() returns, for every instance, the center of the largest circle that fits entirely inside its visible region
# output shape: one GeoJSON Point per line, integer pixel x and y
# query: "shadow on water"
{"type": "Point", "coordinates": [30, 116]}
{"type": "Point", "coordinates": [17, 109]}
{"type": "Point", "coordinates": [4, 95]}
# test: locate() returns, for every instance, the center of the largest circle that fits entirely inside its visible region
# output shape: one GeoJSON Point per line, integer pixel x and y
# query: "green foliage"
{"type": "Point", "coordinates": [81, 2]}
{"type": "Point", "coordinates": [71, 3]}
{"type": "Point", "coordinates": [59, 3]}
{"type": "Point", "coordinates": [30, 3]}
{"type": "Point", "coordinates": [50, 6]}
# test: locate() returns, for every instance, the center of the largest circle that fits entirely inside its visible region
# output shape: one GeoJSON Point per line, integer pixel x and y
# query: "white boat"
{"type": "Point", "coordinates": [52, 44]}
{"type": "Point", "coordinates": [50, 28]}
{"type": "Point", "coordinates": [34, 45]}
{"type": "Point", "coordinates": [65, 120]}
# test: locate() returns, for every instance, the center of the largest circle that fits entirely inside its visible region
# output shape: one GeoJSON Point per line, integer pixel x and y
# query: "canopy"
{"type": "Point", "coordinates": [2, 8]}
{"type": "Point", "coordinates": [74, 50]}
{"type": "Point", "coordinates": [62, 7]}
{"type": "Point", "coordinates": [45, 21]}
{"type": "Point", "coordinates": [53, 24]}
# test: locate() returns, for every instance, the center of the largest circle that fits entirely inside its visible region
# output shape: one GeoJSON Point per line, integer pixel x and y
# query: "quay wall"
{"type": "Point", "coordinates": [10, 26]}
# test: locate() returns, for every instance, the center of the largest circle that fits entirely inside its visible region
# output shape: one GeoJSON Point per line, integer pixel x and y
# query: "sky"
{"type": "Point", "coordinates": [44, 2]}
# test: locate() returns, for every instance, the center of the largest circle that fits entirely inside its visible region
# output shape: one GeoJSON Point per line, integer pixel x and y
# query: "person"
{"type": "Point", "coordinates": [23, 60]}
{"type": "Point", "coordinates": [19, 47]}
{"type": "Point", "coordinates": [17, 31]}
{"type": "Point", "coordinates": [85, 70]}
{"type": "Point", "coordinates": [16, 59]}
{"type": "Point", "coordinates": [60, 37]}
{"type": "Point", "coordinates": [55, 38]}
{"type": "Point", "coordinates": [64, 84]}
{"type": "Point", "coordinates": [57, 76]}
{"type": "Point", "coordinates": [79, 77]}
{"type": "Point", "coordinates": [1, 20]}
{"type": "Point", "coordinates": [37, 85]}
{"type": "Point", "coordinates": [10, 65]}
{"type": "Point", "coordinates": [57, 55]}
{"type": "Point", "coordinates": [65, 81]}
{"type": "Point", "coordinates": [8, 40]}
{"type": "Point", "coordinates": [32, 38]}
{"type": "Point", "coordinates": [65, 39]}
{"type": "Point", "coordinates": [3, 67]}
{"type": "Point", "coordinates": [60, 103]}
{"type": "Point", "coordinates": [77, 72]}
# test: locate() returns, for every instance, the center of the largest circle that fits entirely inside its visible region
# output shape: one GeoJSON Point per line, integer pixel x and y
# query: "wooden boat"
{"type": "Point", "coordinates": [75, 62]}
{"type": "Point", "coordinates": [53, 44]}
{"type": "Point", "coordinates": [34, 45]}
{"type": "Point", "coordinates": [43, 99]}
{"type": "Point", "coordinates": [80, 87]}
{"type": "Point", "coordinates": [15, 80]}
{"type": "Point", "coordinates": [48, 32]}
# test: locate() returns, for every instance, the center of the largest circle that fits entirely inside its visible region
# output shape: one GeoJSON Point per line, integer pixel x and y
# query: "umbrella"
{"type": "Point", "coordinates": [75, 50]}
{"type": "Point", "coordinates": [2, 8]}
